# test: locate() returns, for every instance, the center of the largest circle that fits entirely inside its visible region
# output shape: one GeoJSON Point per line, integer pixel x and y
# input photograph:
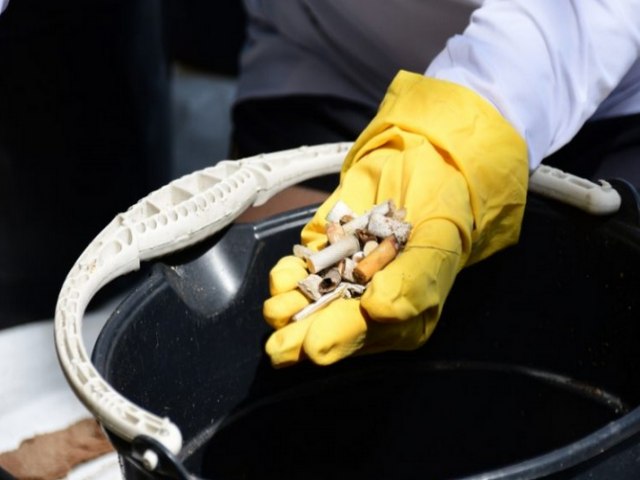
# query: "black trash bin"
{"type": "Point", "coordinates": [533, 371]}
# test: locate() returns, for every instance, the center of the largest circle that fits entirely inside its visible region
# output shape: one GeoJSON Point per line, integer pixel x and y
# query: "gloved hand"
{"type": "Point", "coordinates": [459, 169]}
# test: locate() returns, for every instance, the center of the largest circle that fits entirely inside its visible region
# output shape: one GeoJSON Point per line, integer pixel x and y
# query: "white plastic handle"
{"type": "Point", "coordinates": [597, 199]}
{"type": "Point", "coordinates": [176, 216]}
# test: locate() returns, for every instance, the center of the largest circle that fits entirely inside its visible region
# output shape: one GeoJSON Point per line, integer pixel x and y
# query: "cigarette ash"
{"type": "Point", "coordinates": [359, 246]}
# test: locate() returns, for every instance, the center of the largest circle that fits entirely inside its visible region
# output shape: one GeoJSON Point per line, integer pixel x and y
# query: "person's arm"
{"type": "Point", "coordinates": [454, 147]}
{"type": "Point", "coordinates": [545, 64]}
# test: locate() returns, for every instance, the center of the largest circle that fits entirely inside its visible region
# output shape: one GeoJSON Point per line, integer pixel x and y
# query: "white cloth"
{"type": "Point", "coordinates": [547, 65]}
{"type": "Point", "coordinates": [3, 5]}
{"type": "Point", "coordinates": [35, 398]}
{"type": "Point", "coordinates": [566, 62]}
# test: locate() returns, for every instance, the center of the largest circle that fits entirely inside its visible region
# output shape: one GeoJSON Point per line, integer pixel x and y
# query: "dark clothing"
{"type": "Point", "coordinates": [602, 149]}
{"type": "Point", "coordinates": [267, 125]}
{"type": "Point", "coordinates": [605, 148]}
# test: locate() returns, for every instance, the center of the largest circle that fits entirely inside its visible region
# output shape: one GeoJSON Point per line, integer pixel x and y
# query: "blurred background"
{"type": "Point", "coordinates": [100, 103]}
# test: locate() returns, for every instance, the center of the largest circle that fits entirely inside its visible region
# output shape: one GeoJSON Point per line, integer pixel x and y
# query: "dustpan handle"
{"type": "Point", "coordinates": [176, 216]}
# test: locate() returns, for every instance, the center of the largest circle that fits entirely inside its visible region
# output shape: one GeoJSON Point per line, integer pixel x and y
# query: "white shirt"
{"type": "Point", "coordinates": [3, 5]}
{"type": "Point", "coordinates": [547, 65]}
{"type": "Point", "coordinates": [568, 61]}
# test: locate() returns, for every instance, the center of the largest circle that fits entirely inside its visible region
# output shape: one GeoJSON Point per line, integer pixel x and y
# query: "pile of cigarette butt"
{"type": "Point", "coordinates": [359, 246]}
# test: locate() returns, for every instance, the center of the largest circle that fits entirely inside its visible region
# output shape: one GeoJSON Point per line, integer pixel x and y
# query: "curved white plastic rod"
{"type": "Point", "coordinates": [177, 215]}
{"type": "Point", "coordinates": [174, 217]}
{"type": "Point", "coordinates": [597, 199]}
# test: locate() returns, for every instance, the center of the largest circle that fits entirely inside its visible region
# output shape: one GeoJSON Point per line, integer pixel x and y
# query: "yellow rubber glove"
{"type": "Point", "coordinates": [460, 170]}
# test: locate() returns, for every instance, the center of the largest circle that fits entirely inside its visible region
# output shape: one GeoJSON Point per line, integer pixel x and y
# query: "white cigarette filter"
{"type": "Point", "coordinates": [383, 226]}
{"type": "Point", "coordinates": [339, 211]}
{"type": "Point", "coordinates": [335, 232]}
{"type": "Point", "coordinates": [319, 304]}
{"type": "Point", "coordinates": [301, 251]}
{"type": "Point", "coordinates": [310, 286]}
{"type": "Point", "coordinates": [332, 254]}
{"type": "Point", "coordinates": [360, 222]}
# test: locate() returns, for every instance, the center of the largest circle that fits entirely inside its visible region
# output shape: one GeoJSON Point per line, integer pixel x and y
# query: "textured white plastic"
{"type": "Point", "coordinates": [598, 199]}
{"type": "Point", "coordinates": [177, 215]}
{"type": "Point", "coordinates": [184, 212]}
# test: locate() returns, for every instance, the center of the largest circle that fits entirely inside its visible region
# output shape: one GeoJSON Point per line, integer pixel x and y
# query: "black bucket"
{"type": "Point", "coordinates": [533, 371]}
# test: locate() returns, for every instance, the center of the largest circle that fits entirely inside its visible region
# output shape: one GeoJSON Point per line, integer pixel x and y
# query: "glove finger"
{"type": "Point", "coordinates": [286, 274]}
{"type": "Point", "coordinates": [325, 337]}
{"type": "Point", "coordinates": [336, 332]}
{"type": "Point", "coordinates": [407, 335]}
{"type": "Point", "coordinates": [418, 280]}
{"type": "Point", "coordinates": [279, 309]}
{"type": "Point", "coordinates": [284, 346]}
{"type": "Point", "coordinates": [340, 330]}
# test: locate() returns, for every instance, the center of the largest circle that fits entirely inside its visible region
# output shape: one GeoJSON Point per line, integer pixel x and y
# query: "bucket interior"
{"type": "Point", "coordinates": [536, 349]}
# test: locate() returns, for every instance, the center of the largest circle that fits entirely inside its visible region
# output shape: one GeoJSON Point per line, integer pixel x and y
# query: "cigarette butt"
{"type": "Point", "coordinates": [347, 269]}
{"type": "Point", "coordinates": [376, 260]}
{"type": "Point", "coordinates": [358, 256]}
{"type": "Point", "coordinates": [319, 304]}
{"type": "Point", "coordinates": [382, 226]}
{"type": "Point", "coordinates": [335, 232]}
{"type": "Point", "coordinates": [364, 236]}
{"type": "Point", "coordinates": [357, 223]}
{"type": "Point", "coordinates": [330, 281]}
{"type": "Point", "coordinates": [332, 254]}
{"type": "Point", "coordinates": [301, 251]}
{"type": "Point", "coordinates": [369, 247]}
{"type": "Point", "coordinates": [310, 286]}
{"type": "Point", "coordinates": [339, 210]}
{"type": "Point", "coordinates": [360, 222]}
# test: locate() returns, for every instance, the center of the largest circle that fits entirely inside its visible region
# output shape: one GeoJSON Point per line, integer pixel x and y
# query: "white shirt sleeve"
{"type": "Point", "coordinates": [545, 64]}
{"type": "Point", "coordinates": [3, 5]}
